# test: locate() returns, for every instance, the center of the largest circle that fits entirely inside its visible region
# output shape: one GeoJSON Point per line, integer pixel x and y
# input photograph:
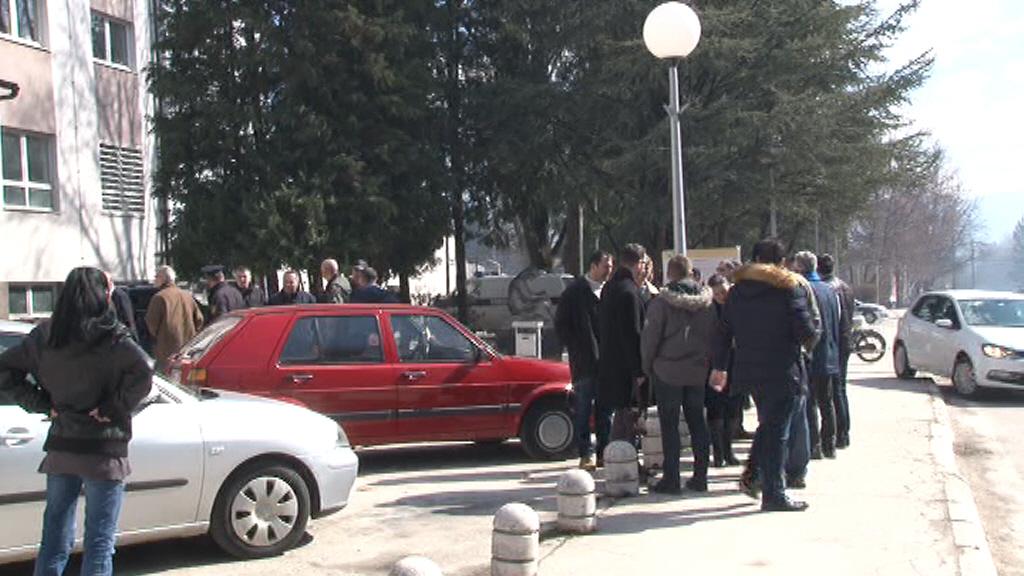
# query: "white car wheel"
{"type": "Point", "coordinates": [901, 364]}
{"type": "Point", "coordinates": [964, 380]}
{"type": "Point", "coordinates": [261, 511]}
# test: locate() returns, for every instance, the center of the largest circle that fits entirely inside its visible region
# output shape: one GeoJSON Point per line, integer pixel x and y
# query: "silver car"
{"type": "Point", "coordinates": [202, 462]}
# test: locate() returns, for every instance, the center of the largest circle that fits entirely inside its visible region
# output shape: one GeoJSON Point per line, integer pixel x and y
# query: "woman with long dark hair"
{"type": "Point", "coordinates": [88, 374]}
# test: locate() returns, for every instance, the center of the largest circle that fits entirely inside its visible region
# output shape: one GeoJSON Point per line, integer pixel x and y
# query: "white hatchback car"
{"type": "Point", "coordinates": [974, 337]}
{"type": "Point", "coordinates": [248, 470]}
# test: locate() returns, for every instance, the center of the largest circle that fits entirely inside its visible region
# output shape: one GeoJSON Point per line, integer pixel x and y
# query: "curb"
{"type": "Point", "coordinates": [973, 555]}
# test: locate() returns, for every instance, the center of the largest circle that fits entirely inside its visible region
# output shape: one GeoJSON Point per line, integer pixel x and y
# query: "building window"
{"type": "Point", "coordinates": [111, 40]}
{"type": "Point", "coordinates": [27, 170]}
{"type": "Point", "coordinates": [121, 179]}
{"type": "Point", "coordinates": [20, 18]}
{"type": "Point", "coordinates": [36, 300]}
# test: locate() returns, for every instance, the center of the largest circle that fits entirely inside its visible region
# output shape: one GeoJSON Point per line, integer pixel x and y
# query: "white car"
{"type": "Point", "coordinates": [249, 471]}
{"type": "Point", "coordinates": [974, 337]}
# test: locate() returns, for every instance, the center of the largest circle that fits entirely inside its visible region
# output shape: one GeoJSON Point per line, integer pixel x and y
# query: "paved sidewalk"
{"type": "Point", "coordinates": [880, 508]}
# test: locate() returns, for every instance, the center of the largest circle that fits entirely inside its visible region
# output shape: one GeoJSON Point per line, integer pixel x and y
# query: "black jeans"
{"type": "Point", "coordinates": [775, 411]}
{"type": "Point", "coordinates": [821, 401]}
{"type": "Point", "coordinates": [839, 399]}
{"type": "Point", "coordinates": [691, 400]}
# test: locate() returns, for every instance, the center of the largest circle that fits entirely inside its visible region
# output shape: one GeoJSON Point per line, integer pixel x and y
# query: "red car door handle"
{"type": "Point", "coordinates": [414, 374]}
{"type": "Point", "coordinates": [301, 378]}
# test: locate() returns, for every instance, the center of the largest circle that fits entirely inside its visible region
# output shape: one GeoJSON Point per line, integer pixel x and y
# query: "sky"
{"type": "Point", "coordinates": [972, 102]}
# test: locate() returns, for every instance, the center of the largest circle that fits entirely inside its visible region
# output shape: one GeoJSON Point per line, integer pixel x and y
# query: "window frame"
{"type": "Point", "coordinates": [320, 361]}
{"type": "Point", "coordinates": [477, 353]}
{"type": "Point", "coordinates": [26, 184]}
{"type": "Point", "coordinates": [30, 312]}
{"type": "Point", "coordinates": [107, 59]}
{"type": "Point", "coordinates": [14, 34]}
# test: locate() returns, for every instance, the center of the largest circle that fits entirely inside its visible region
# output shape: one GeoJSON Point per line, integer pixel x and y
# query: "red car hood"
{"type": "Point", "coordinates": [529, 369]}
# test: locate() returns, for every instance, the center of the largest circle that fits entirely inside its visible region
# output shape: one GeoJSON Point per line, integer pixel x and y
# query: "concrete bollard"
{"type": "Point", "coordinates": [415, 566]}
{"type": "Point", "coordinates": [577, 503]}
{"type": "Point", "coordinates": [650, 443]}
{"type": "Point", "coordinates": [622, 477]}
{"type": "Point", "coordinates": [515, 543]}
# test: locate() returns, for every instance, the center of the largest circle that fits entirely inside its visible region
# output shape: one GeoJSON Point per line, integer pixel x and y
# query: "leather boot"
{"type": "Point", "coordinates": [718, 440]}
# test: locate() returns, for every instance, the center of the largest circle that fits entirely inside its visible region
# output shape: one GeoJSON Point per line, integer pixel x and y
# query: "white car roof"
{"type": "Point", "coordinates": [15, 326]}
{"type": "Point", "coordinates": [979, 294]}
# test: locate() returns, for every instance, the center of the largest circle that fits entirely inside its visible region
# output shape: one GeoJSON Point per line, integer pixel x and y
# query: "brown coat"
{"type": "Point", "coordinates": [173, 319]}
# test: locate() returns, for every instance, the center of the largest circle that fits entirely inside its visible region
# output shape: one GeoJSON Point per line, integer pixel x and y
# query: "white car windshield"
{"type": "Point", "coordinates": [1006, 313]}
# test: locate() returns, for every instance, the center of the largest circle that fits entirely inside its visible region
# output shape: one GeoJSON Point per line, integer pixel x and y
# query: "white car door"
{"type": "Point", "coordinates": [166, 455]}
{"type": "Point", "coordinates": [22, 489]}
{"type": "Point", "coordinates": [945, 344]}
{"type": "Point", "coordinates": [919, 333]}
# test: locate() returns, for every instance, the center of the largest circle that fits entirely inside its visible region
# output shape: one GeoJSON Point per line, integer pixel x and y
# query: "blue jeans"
{"type": "Point", "coordinates": [842, 404]}
{"type": "Point", "coordinates": [102, 507]}
{"type": "Point", "coordinates": [799, 441]}
{"type": "Point", "coordinates": [586, 393]}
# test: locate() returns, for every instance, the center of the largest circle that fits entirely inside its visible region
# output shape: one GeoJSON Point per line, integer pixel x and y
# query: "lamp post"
{"type": "Point", "coordinates": [671, 32]}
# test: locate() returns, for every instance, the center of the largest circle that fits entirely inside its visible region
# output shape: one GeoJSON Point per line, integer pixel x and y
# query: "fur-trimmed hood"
{"type": "Point", "coordinates": [774, 276]}
{"type": "Point", "coordinates": [687, 296]}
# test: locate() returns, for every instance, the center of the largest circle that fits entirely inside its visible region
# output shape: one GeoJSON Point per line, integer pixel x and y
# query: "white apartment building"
{"type": "Point", "coordinates": [76, 148]}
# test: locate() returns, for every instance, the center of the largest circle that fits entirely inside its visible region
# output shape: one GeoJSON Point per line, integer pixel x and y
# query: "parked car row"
{"type": "Point", "coordinates": [253, 433]}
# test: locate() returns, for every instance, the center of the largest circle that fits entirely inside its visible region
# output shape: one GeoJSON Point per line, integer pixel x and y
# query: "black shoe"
{"type": "Point", "coordinates": [667, 487]}
{"type": "Point", "coordinates": [750, 486]}
{"type": "Point", "coordinates": [697, 485]}
{"type": "Point", "coordinates": [796, 483]}
{"type": "Point", "coordinates": [718, 462]}
{"type": "Point", "coordinates": [829, 453]}
{"type": "Point", "coordinates": [816, 453]}
{"type": "Point", "coordinates": [732, 460]}
{"type": "Point", "coordinates": [842, 442]}
{"type": "Point", "coordinates": [783, 505]}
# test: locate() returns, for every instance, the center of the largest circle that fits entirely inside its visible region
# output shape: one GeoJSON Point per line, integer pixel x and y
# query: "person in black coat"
{"type": "Point", "coordinates": [764, 325]}
{"type": "Point", "coordinates": [290, 292]}
{"type": "Point", "coordinates": [221, 296]}
{"type": "Point", "coordinates": [365, 289]}
{"type": "Point", "coordinates": [576, 322]}
{"type": "Point", "coordinates": [620, 323]}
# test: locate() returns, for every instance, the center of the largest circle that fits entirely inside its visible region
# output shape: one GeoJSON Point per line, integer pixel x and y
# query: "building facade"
{"type": "Point", "coordinates": [76, 151]}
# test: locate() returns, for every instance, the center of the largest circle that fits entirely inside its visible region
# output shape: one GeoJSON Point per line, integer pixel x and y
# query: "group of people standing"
{"type": "Point", "coordinates": [173, 317]}
{"type": "Point", "coordinates": [776, 329]}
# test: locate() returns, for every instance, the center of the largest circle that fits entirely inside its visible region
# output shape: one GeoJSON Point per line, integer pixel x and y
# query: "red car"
{"type": "Point", "coordinates": [388, 373]}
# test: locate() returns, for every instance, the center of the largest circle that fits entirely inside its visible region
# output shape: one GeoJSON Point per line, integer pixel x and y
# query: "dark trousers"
{"type": "Point", "coordinates": [823, 436]}
{"type": "Point", "coordinates": [691, 400]}
{"type": "Point", "coordinates": [799, 444]}
{"type": "Point", "coordinates": [839, 399]}
{"type": "Point", "coordinates": [585, 390]}
{"type": "Point", "coordinates": [775, 411]}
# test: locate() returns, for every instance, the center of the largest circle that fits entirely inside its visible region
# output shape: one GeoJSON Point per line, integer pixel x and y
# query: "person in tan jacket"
{"type": "Point", "coordinates": [172, 318]}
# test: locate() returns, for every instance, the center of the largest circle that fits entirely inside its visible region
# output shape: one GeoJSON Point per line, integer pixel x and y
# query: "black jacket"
{"type": "Point", "coordinates": [620, 321]}
{"type": "Point", "coordinates": [372, 294]}
{"type": "Point", "coordinates": [224, 298]}
{"type": "Point", "coordinates": [109, 372]}
{"type": "Point", "coordinates": [253, 296]}
{"type": "Point", "coordinates": [766, 317]}
{"type": "Point", "coordinates": [283, 298]}
{"type": "Point", "coordinates": [847, 304]}
{"type": "Point", "coordinates": [576, 323]}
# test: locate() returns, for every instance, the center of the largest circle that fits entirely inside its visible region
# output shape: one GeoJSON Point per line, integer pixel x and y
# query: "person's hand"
{"type": "Point", "coordinates": [718, 380]}
{"type": "Point", "coordinates": [95, 413]}
{"type": "Point", "coordinates": [53, 414]}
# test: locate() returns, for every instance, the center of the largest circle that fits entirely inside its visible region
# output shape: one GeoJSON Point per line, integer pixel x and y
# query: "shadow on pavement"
{"type": "Point", "coordinates": [636, 522]}
{"type": "Point", "coordinates": [419, 457]}
{"type": "Point", "coordinates": [920, 385]}
{"type": "Point", "coordinates": [985, 397]}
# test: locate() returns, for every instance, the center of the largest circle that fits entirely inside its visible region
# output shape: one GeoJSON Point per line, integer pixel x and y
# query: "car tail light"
{"type": "Point", "coordinates": [197, 377]}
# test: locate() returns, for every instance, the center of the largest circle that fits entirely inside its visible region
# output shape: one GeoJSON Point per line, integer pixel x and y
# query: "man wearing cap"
{"type": "Point", "coordinates": [365, 289]}
{"type": "Point", "coordinates": [222, 297]}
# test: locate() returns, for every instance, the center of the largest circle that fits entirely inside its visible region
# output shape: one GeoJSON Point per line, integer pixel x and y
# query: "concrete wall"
{"type": "Point", "coordinates": [81, 103]}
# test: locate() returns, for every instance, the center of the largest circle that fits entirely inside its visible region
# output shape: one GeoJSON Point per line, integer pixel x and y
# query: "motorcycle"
{"type": "Point", "coordinates": [867, 344]}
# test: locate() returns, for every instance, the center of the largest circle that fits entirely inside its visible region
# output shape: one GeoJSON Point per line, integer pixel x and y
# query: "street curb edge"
{"type": "Point", "coordinates": [974, 558]}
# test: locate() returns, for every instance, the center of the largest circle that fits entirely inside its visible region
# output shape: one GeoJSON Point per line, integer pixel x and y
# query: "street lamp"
{"type": "Point", "coordinates": [671, 32]}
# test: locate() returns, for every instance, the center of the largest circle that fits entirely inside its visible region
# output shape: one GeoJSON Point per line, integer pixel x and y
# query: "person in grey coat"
{"type": "Point", "coordinates": [675, 347]}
